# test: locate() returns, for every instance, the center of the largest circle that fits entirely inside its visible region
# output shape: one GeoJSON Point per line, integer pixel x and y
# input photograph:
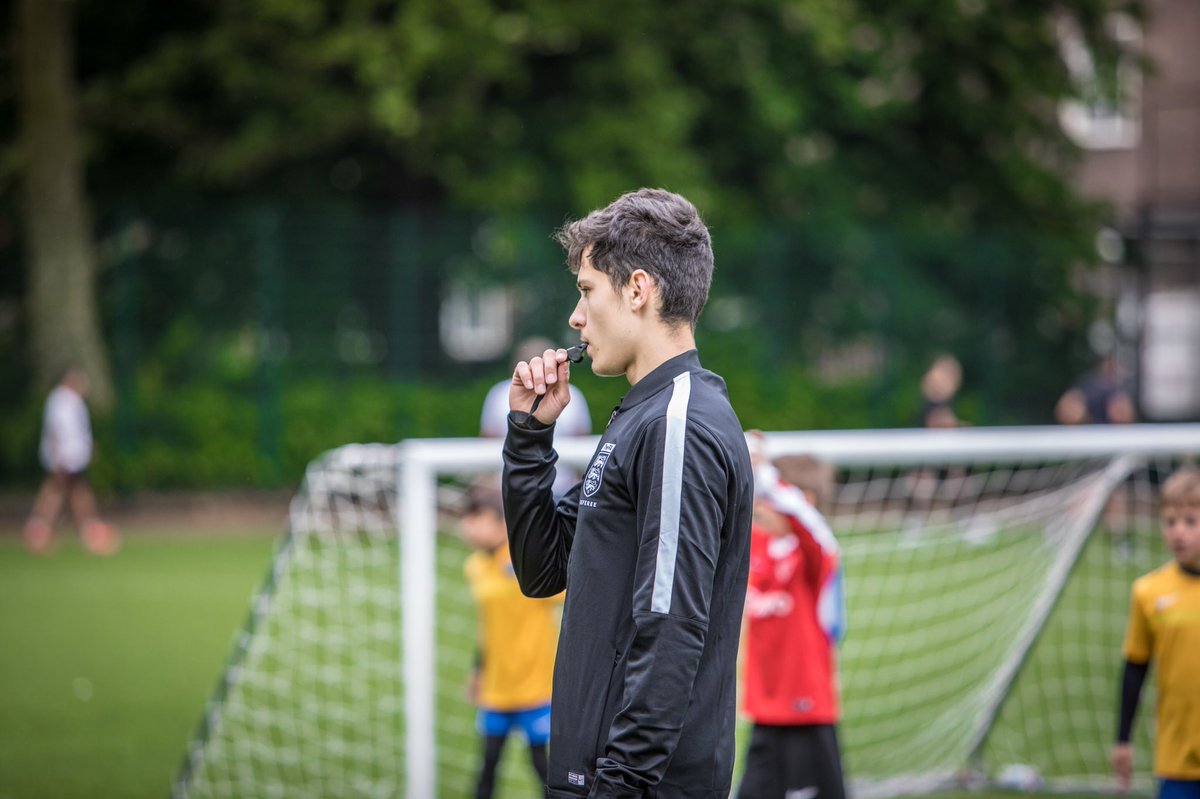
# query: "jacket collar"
{"type": "Point", "coordinates": [660, 378]}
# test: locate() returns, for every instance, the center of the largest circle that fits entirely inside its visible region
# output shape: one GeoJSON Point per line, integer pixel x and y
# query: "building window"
{"type": "Point", "coordinates": [1107, 115]}
{"type": "Point", "coordinates": [476, 322]}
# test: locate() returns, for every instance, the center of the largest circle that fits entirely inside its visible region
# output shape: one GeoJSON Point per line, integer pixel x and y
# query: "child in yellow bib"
{"type": "Point", "coordinates": [1164, 627]}
{"type": "Point", "coordinates": [518, 637]}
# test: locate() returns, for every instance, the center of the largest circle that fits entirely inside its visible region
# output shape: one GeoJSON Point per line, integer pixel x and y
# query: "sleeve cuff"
{"type": "Point", "coordinates": [606, 789]}
{"type": "Point", "coordinates": [528, 438]}
{"type": "Point", "coordinates": [526, 421]}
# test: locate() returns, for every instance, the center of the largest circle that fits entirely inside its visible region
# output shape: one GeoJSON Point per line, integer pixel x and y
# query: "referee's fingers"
{"type": "Point", "coordinates": [537, 368]}
{"type": "Point", "coordinates": [524, 375]}
{"type": "Point", "coordinates": [550, 360]}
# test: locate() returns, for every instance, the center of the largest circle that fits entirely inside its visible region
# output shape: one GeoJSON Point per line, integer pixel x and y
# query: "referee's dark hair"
{"type": "Point", "coordinates": [651, 229]}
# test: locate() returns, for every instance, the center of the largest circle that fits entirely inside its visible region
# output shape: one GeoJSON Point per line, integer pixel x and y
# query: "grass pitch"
{"type": "Point", "coordinates": [106, 664]}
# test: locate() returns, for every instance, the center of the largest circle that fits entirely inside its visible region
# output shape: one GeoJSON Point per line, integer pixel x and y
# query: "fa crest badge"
{"type": "Point", "coordinates": [591, 480]}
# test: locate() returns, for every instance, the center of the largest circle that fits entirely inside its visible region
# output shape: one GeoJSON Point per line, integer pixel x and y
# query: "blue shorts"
{"type": "Point", "coordinates": [1179, 789]}
{"type": "Point", "coordinates": [534, 723]}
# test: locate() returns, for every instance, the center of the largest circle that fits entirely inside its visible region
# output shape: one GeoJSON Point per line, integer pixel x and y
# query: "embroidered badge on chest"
{"type": "Point", "coordinates": [591, 480]}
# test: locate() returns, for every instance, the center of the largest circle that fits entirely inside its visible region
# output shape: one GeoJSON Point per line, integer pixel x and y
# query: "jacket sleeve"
{"type": "Point", "coordinates": [681, 484]}
{"type": "Point", "coordinates": [539, 532]}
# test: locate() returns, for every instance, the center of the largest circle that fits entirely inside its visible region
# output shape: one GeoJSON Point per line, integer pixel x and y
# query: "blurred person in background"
{"type": "Point", "coordinates": [65, 452]}
{"type": "Point", "coordinates": [514, 666]}
{"type": "Point", "coordinates": [1164, 627]}
{"type": "Point", "coordinates": [1098, 397]}
{"type": "Point", "coordinates": [574, 421]}
{"type": "Point", "coordinates": [939, 386]}
{"type": "Point", "coordinates": [795, 618]}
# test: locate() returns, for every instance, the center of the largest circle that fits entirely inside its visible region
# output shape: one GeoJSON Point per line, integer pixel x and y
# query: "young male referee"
{"type": "Point", "coordinates": [653, 546]}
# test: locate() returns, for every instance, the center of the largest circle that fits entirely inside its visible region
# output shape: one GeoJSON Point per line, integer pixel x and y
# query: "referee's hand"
{"type": "Point", "coordinates": [546, 376]}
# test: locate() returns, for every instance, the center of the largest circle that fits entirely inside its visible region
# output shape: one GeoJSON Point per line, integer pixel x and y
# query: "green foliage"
{"type": "Point", "coordinates": [203, 434]}
{"type": "Point", "coordinates": [837, 110]}
{"type": "Point", "coordinates": [811, 329]}
{"type": "Point", "coordinates": [211, 436]}
{"type": "Point", "coordinates": [20, 428]}
{"type": "Point", "coordinates": [206, 435]}
{"type": "Point", "coordinates": [187, 435]}
{"type": "Point", "coordinates": [884, 181]}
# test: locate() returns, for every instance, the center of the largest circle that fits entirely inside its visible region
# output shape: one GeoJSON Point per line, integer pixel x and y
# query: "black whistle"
{"type": "Point", "coordinates": [574, 355]}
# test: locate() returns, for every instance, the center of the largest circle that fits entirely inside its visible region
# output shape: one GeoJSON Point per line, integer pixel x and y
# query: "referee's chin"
{"type": "Point", "coordinates": [603, 368]}
{"type": "Point", "coordinates": [600, 370]}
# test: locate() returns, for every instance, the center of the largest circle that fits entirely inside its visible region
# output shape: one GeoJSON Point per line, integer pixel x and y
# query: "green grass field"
{"type": "Point", "coordinates": [107, 663]}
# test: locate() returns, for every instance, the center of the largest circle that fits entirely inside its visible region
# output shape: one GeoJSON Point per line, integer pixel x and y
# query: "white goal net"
{"type": "Point", "coordinates": [987, 570]}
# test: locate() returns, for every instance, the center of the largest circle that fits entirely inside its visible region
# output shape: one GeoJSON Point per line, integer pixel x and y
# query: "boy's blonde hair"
{"type": "Point", "coordinates": [1182, 489]}
{"type": "Point", "coordinates": [808, 474]}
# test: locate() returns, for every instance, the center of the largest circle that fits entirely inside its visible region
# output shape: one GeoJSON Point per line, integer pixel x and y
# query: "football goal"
{"type": "Point", "coordinates": [987, 575]}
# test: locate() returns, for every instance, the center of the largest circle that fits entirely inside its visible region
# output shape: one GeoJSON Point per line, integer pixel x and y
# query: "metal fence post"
{"type": "Point", "coordinates": [268, 299]}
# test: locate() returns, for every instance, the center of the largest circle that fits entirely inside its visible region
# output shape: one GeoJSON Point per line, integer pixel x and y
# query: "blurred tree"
{"type": "Point", "coordinates": [846, 109]}
{"type": "Point", "coordinates": [926, 115]}
{"type": "Point", "coordinates": [937, 119]}
{"type": "Point", "coordinates": [62, 260]}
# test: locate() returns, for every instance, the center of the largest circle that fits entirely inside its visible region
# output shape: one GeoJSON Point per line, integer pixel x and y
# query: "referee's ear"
{"type": "Point", "coordinates": [641, 288]}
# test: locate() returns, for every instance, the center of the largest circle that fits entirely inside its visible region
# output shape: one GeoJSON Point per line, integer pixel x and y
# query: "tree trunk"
{"type": "Point", "coordinates": [61, 257]}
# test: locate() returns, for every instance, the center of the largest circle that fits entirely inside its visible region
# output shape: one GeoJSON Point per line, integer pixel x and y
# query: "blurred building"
{"type": "Point", "coordinates": [1143, 157]}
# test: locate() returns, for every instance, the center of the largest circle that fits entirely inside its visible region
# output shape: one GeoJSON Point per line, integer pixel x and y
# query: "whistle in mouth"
{"type": "Point", "coordinates": [575, 354]}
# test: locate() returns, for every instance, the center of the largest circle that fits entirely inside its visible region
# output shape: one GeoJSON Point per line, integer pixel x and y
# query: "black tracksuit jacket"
{"type": "Point", "coordinates": [653, 549]}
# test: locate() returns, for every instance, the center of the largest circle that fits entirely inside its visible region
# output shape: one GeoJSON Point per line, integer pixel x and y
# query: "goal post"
{"type": "Point", "coordinates": [985, 614]}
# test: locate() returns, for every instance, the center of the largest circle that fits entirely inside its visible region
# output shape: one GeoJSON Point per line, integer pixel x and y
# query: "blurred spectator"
{"type": "Point", "coordinates": [517, 640]}
{"type": "Point", "coordinates": [574, 421]}
{"type": "Point", "coordinates": [939, 386]}
{"type": "Point", "coordinates": [1097, 397]}
{"type": "Point", "coordinates": [66, 451]}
